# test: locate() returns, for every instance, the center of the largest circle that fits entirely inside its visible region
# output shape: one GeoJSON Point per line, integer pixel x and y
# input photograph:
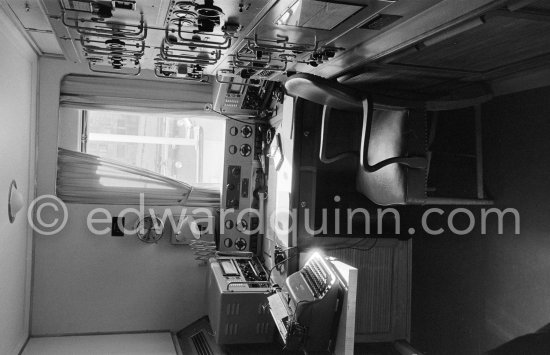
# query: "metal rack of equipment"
{"type": "Point", "coordinates": [267, 58]}
{"type": "Point", "coordinates": [194, 38]}
{"type": "Point", "coordinates": [237, 290]}
{"type": "Point", "coordinates": [242, 175]}
{"type": "Point", "coordinates": [111, 33]}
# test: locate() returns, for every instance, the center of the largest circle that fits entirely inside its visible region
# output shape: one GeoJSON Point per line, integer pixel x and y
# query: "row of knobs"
{"type": "Point", "coordinates": [246, 131]}
{"type": "Point", "coordinates": [241, 226]}
{"type": "Point", "coordinates": [245, 149]}
{"type": "Point", "coordinates": [240, 244]}
{"type": "Point", "coordinates": [250, 275]}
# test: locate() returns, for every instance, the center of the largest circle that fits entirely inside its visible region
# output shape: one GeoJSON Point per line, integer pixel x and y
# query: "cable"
{"type": "Point", "coordinates": [296, 309]}
{"type": "Point", "coordinates": [279, 263]}
{"type": "Point", "coordinates": [284, 249]}
{"type": "Point", "coordinates": [353, 247]}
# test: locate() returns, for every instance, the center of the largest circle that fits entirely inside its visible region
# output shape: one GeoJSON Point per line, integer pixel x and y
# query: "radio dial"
{"type": "Point", "coordinates": [240, 244]}
{"type": "Point", "coordinates": [242, 226]}
{"type": "Point", "coordinates": [246, 150]}
{"type": "Point", "coordinates": [228, 242]}
{"type": "Point", "coordinates": [246, 131]}
{"type": "Point", "coordinates": [229, 224]}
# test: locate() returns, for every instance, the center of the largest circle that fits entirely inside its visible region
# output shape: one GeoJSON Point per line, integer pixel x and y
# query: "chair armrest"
{"type": "Point", "coordinates": [411, 162]}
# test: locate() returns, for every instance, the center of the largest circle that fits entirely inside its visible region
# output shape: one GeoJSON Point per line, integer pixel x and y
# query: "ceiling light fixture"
{"type": "Point", "coordinates": [283, 19]}
{"type": "Point", "coordinates": [15, 201]}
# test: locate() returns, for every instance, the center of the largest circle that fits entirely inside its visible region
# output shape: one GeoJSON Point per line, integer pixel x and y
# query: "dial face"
{"type": "Point", "coordinates": [246, 149]}
{"type": "Point", "coordinates": [229, 224]}
{"type": "Point", "coordinates": [242, 226]}
{"type": "Point", "coordinates": [228, 242]}
{"type": "Point", "coordinates": [233, 131]}
{"type": "Point", "coordinates": [233, 149]}
{"type": "Point", "coordinates": [246, 131]}
{"type": "Point", "coordinates": [240, 244]}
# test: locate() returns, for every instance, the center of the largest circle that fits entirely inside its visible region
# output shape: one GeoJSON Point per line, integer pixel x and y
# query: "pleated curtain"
{"type": "Point", "coordinates": [85, 178]}
{"type": "Point", "coordinates": [133, 95]}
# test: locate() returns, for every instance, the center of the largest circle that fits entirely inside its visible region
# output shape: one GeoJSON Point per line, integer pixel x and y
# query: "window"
{"type": "Point", "coordinates": [183, 147]}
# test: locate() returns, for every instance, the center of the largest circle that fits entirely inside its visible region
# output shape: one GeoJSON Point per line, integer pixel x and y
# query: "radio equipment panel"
{"type": "Point", "coordinates": [242, 174]}
{"type": "Point", "coordinates": [236, 288]}
{"type": "Point", "coordinates": [239, 96]}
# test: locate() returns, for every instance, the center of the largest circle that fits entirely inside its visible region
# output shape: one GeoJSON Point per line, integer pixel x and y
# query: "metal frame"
{"type": "Point", "coordinates": [165, 46]}
{"type": "Point", "coordinates": [117, 30]}
{"type": "Point", "coordinates": [121, 51]}
{"type": "Point", "coordinates": [242, 58]}
{"type": "Point", "coordinates": [92, 63]}
{"type": "Point", "coordinates": [158, 74]}
{"type": "Point", "coordinates": [238, 64]}
{"type": "Point", "coordinates": [199, 43]}
{"type": "Point", "coordinates": [179, 58]}
{"type": "Point", "coordinates": [230, 82]}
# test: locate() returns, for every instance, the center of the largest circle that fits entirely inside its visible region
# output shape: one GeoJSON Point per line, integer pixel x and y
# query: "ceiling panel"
{"type": "Point", "coordinates": [30, 14]}
{"type": "Point", "coordinates": [47, 42]}
{"type": "Point", "coordinates": [499, 42]}
{"type": "Point", "coordinates": [33, 19]}
{"type": "Point", "coordinates": [317, 15]}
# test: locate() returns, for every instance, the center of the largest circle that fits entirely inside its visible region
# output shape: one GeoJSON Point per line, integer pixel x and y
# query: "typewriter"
{"type": "Point", "coordinates": [307, 314]}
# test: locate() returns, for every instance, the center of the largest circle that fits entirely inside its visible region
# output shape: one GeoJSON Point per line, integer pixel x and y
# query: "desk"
{"type": "Point", "coordinates": [279, 229]}
{"type": "Point", "coordinates": [384, 265]}
{"type": "Point", "coordinates": [345, 339]}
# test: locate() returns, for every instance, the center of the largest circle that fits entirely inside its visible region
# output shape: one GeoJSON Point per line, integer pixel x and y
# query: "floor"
{"type": "Point", "coordinates": [116, 344]}
{"type": "Point", "coordinates": [448, 270]}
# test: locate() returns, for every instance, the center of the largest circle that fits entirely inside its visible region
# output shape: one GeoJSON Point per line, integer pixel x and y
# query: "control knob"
{"type": "Point", "coordinates": [242, 226]}
{"type": "Point", "coordinates": [246, 149]}
{"type": "Point", "coordinates": [246, 131]}
{"type": "Point", "coordinates": [240, 244]}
